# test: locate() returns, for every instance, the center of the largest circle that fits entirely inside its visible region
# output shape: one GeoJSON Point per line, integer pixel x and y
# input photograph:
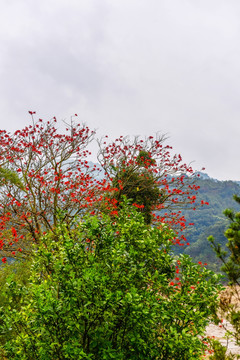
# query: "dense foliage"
{"type": "Point", "coordinates": [109, 289]}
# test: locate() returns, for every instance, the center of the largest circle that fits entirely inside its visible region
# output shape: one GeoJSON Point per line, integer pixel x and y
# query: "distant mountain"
{"type": "Point", "coordinates": [209, 220]}
{"type": "Point", "coordinates": [203, 175]}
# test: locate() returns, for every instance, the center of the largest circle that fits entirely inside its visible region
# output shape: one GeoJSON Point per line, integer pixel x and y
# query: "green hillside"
{"type": "Point", "coordinates": [209, 220]}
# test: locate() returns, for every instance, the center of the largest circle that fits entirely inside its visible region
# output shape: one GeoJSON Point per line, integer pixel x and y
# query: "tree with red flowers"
{"type": "Point", "coordinates": [159, 184]}
{"type": "Point", "coordinates": [53, 175]}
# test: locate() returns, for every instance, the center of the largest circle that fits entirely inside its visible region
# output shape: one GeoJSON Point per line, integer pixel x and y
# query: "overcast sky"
{"type": "Point", "coordinates": [129, 67]}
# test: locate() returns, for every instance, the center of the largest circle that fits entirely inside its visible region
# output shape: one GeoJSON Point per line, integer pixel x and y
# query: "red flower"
{"type": "Point", "coordinates": [14, 232]}
{"type": "Point", "coordinates": [4, 260]}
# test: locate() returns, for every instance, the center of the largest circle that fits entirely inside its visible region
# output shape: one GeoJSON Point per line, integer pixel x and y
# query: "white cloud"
{"type": "Point", "coordinates": [128, 67]}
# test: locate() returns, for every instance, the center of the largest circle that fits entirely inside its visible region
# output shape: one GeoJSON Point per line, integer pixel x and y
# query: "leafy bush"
{"type": "Point", "coordinates": [109, 289]}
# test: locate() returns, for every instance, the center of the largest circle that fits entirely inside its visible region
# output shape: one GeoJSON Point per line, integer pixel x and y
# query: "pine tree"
{"type": "Point", "coordinates": [231, 259]}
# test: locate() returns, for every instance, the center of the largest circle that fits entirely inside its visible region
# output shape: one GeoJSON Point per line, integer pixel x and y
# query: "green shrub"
{"type": "Point", "coordinates": [110, 289]}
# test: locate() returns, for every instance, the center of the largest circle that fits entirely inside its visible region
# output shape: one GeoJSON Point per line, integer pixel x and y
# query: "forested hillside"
{"type": "Point", "coordinates": [209, 219]}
